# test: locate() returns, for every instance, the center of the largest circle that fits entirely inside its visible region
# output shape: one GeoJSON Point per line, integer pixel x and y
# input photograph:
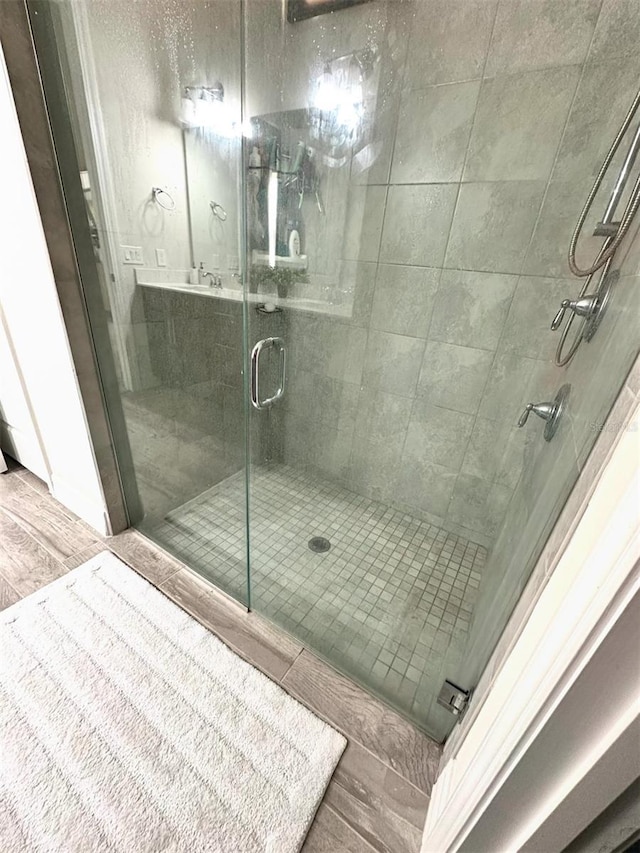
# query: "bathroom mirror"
{"type": "Point", "coordinates": [297, 167]}
{"type": "Point", "coordinates": [212, 170]}
{"type": "Point", "coordinates": [295, 209]}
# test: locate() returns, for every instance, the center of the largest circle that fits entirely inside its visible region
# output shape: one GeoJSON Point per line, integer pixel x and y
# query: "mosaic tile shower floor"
{"type": "Point", "coordinates": [390, 602]}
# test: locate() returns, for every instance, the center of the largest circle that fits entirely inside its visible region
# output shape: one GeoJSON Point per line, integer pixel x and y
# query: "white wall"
{"type": "Point", "coordinates": [35, 334]}
{"type": "Point", "coordinates": [18, 435]}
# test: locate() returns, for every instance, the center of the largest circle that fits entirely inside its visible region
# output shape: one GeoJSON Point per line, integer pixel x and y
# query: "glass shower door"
{"type": "Point", "coordinates": [408, 207]}
{"type": "Point", "coordinates": [342, 555]}
{"type": "Point", "coordinates": [151, 175]}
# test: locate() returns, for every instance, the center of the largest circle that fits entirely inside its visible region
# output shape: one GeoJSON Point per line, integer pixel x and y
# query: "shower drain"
{"type": "Point", "coordinates": [319, 544]}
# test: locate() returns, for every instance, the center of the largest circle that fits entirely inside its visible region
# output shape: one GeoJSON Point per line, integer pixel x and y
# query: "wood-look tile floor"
{"type": "Point", "coordinates": [377, 799]}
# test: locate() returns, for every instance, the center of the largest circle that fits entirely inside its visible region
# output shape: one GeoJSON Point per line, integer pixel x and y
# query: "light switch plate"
{"type": "Point", "coordinates": [132, 255]}
{"type": "Point", "coordinates": [161, 257]}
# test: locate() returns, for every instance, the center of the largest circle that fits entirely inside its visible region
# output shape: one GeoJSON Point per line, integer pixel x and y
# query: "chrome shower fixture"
{"type": "Point", "coordinates": [591, 307]}
{"type": "Point", "coordinates": [549, 412]}
{"type": "Point", "coordinates": [615, 232]}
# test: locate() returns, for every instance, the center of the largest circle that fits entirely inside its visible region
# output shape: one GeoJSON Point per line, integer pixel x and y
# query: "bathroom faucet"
{"type": "Point", "coordinates": [216, 280]}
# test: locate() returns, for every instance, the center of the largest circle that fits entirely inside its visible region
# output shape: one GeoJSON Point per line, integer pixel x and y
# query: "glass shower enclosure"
{"type": "Point", "coordinates": [331, 243]}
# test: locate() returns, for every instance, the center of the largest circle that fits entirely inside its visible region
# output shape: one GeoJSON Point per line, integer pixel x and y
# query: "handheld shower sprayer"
{"type": "Point", "coordinates": [591, 307]}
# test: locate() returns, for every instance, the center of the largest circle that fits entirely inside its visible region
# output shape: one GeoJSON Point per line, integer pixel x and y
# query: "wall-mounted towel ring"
{"type": "Point", "coordinates": [163, 198]}
{"type": "Point", "coordinates": [218, 210]}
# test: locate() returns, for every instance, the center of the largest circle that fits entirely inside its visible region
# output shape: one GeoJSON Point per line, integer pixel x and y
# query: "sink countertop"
{"type": "Point", "coordinates": [162, 282]}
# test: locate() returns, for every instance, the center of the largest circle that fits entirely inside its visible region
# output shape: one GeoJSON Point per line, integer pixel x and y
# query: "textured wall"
{"type": "Point", "coordinates": [457, 254]}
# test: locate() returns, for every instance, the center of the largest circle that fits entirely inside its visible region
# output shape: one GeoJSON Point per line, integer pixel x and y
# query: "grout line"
{"type": "Point", "coordinates": [26, 482]}
{"type": "Point", "coordinates": [81, 551]}
{"type": "Point", "coordinates": [11, 585]}
{"type": "Point", "coordinates": [290, 667]}
{"type": "Point", "coordinates": [452, 183]}
{"type": "Point", "coordinates": [583, 65]}
{"type": "Point", "coordinates": [169, 577]}
{"type": "Point", "coordinates": [393, 769]}
{"type": "Point", "coordinates": [370, 330]}
{"type": "Point", "coordinates": [468, 146]}
{"type": "Point", "coordinates": [342, 820]}
{"type": "Point", "coordinates": [461, 269]}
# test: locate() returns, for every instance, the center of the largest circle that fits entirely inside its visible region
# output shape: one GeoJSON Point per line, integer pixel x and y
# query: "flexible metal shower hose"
{"type": "Point", "coordinates": [629, 213]}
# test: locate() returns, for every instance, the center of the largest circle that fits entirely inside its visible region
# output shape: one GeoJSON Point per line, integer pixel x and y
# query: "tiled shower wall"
{"type": "Point", "coordinates": [456, 253]}
{"type": "Point", "coordinates": [596, 376]}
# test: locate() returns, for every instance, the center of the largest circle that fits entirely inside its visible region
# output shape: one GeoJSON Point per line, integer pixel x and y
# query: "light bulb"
{"type": "Point", "coordinates": [187, 111]}
{"type": "Point", "coordinates": [327, 95]}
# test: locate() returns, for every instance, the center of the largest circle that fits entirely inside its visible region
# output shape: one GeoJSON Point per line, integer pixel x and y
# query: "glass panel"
{"type": "Point", "coordinates": [412, 185]}
{"type": "Point", "coordinates": [405, 178]}
{"type": "Point", "coordinates": [153, 93]}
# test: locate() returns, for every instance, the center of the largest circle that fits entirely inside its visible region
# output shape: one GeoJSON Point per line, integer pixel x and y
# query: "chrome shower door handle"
{"type": "Point", "coordinates": [267, 343]}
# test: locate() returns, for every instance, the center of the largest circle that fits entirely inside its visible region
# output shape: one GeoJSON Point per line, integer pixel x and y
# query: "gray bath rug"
{"type": "Point", "coordinates": [127, 726]}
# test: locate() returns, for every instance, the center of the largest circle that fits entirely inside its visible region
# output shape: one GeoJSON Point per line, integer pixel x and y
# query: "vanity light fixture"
{"type": "Point", "coordinates": [204, 106]}
{"type": "Point", "coordinates": [339, 90]}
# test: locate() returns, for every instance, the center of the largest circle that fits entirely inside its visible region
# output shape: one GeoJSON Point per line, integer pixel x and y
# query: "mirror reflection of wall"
{"type": "Point", "coordinates": [135, 69]}
{"type": "Point", "coordinates": [212, 170]}
{"type": "Point", "coordinates": [300, 204]}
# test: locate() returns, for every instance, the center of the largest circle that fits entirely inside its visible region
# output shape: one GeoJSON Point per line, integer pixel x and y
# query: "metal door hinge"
{"type": "Point", "coordinates": [455, 699]}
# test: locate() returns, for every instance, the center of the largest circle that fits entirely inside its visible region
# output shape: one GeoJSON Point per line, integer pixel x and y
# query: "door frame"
{"type": "Point", "coordinates": [77, 36]}
{"type": "Point", "coordinates": [572, 616]}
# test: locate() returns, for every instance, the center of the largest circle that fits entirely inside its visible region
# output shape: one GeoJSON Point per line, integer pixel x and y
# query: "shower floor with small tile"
{"type": "Point", "coordinates": [389, 603]}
